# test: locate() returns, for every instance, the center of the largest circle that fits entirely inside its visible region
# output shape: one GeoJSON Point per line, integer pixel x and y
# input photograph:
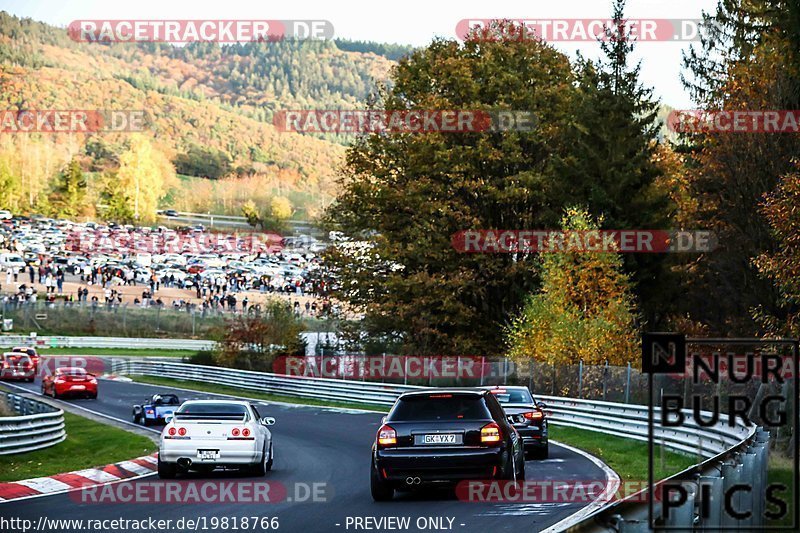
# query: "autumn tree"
{"type": "Point", "coordinates": [69, 194]}
{"type": "Point", "coordinates": [614, 168]}
{"type": "Point", "coordinates": [782, 266]}
{"type": "Point", "coordinates": [585, 309]}
{"type": "Point", "coordinates": [252, 342]}
{"type": "Point", "coordinates": [118, 202]}
{"type": "Point", "coordinates": [748, 59]}
{"type": "Point", "coordinates": [271, 217]}
{"type": "Point", "coordinates": [144, 176]}
{"type": "Point", "coordinates": [404, 195]}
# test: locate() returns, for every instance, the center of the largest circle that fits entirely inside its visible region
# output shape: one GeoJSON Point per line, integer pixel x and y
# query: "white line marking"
{"type": "Point", "coordinates": [130, 466]}
{"type": "Point", "coordinates": [71, 489]}
{"type": "Point", "coordinates": [96, 475]}
{"type": "Point", "coordinates": [44, 484]}
{"type": "Point", "coordinates": [612, 485]}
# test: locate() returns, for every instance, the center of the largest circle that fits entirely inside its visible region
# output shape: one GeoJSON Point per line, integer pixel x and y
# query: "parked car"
{"type": "Point", "coordinates": [527, 416]}
{"type": "Point", "coordinates": [444, 435]}
{"type": "Point", "coordinates": [17, 366]}
{"type": "Point", "coordinates": [11, 260]}
{"type": "Point", "coordinates": [206, 434]}
{"type": "Point", "coordinates": [70, 381]}
{"type": "Point", "coordinates": [5, 215]}
{"type": "Point", "coordinates": [155, 409]}
{"type": "Point", "coordinates": [171, 213]}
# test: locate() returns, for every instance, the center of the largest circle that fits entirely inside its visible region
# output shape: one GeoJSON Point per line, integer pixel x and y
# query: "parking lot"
{"type": "Point", "coordinates": [62, 261]}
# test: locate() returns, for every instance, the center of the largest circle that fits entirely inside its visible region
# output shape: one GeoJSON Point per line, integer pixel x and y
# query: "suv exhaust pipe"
{"type": "Point", "coordinates": [413, 480]}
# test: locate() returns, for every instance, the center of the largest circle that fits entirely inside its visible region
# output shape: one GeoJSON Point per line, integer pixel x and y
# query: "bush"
{"type": "Point", "coordinates": [203, 357]}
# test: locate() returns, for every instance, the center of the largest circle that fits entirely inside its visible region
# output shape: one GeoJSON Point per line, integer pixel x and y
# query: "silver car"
{"type": "Point", "coordinates": [205, 434]}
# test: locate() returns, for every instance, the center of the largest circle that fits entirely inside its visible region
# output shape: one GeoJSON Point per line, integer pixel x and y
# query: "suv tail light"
{"type": "Point", "coordinates": [490, 434]}
{"type": "Point", "coordinates": [387, 436]}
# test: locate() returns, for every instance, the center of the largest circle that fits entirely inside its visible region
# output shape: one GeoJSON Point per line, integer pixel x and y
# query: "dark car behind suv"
{"type": "Point", "coordinates": [528, 417]}
{"type": "Point", "coordinates": [444, 436]}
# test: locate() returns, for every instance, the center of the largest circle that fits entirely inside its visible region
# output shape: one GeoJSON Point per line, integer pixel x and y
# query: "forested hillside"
{"type": "Point", "coordinates": [209, 110]}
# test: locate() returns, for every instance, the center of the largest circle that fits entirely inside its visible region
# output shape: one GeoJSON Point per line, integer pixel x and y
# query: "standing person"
{"type": "Point", "coordinates": [31, 273]}
{"type": "Point", "coordinates": [9, 276]}
{"type": "Point", "coordinates": [48, 284]}
{"type": "Point", "coordinates": [60, 281]}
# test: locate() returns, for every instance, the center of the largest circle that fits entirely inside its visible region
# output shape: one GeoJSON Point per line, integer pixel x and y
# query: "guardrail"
{"type": "Point", "coordinates": [619, 419]}
{"type": "Point", "coordinates": [39, 425]}
{"type": "Point", "coordinates": [106, 342]}
{"type": "Point", "coordinates": [742, 451]}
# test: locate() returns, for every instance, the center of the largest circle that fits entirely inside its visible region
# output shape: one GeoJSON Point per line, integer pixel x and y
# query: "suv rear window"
{"type": "Point", "coordinates": [440, 407]}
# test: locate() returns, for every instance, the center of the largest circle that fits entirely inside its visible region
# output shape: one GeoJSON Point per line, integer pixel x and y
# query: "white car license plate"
{"type": "Point", "coordinates": [78, 387]}
{"type": "Point", "coordinates": [440, 438]}
{"type": "Point", "coordinates": [207, 454]}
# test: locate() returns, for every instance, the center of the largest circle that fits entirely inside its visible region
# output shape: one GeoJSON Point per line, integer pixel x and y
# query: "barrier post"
{"type": "Point", "coordinates": [683, 516]}
{"type": "Point", "coordinates": [628, 384]}
{"type": "Point", "coordinates": [750, 471]}
{"type": "Point", "coordinates": [730, 476]}
{"type": "Point", "coordinates": [711, 510]}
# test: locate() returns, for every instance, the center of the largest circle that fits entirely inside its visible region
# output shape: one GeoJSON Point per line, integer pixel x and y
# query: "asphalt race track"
{"type": "Point", "coordinates": [316, 446]}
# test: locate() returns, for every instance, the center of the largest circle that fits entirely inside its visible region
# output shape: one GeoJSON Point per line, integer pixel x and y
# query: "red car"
{"type": "Point", "coordinates": [17, 366]}
{"type": "Point", "coordinates": [70, 381]}
{"type": "Point", "coordinates": [32, 353]}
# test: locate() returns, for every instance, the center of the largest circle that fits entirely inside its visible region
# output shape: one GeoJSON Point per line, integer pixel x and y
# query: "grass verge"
{"type": "Point", "coordinates": [780, 471]}
{"type": "Point", "coordinates": [234, 391]}
{"type": "Point", "coordinates": [627, 457]}
{"type": "Point", "coordinates": [88, 444]}
{"type": "Point", "coordinates": [119, 352]}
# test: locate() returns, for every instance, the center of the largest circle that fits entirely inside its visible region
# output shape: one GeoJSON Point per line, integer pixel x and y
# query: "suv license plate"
{"type": "Point", "coordinates": [439, 438]}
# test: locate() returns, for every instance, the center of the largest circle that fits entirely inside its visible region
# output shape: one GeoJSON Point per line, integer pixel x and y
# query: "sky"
{"type": "Point", "coordinates": [413, 22]}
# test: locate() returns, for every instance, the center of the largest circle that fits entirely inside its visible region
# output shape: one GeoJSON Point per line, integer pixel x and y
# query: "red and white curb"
{"type": "Point", "coordinates": [43, 486]}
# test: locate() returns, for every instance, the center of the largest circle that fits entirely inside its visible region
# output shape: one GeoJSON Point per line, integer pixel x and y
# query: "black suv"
{"type": "Point", "coordinates": [444, 436]}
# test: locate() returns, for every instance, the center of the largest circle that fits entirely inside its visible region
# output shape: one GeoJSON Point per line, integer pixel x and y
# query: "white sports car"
{"type": "Point", "coordinates": [205, 434]}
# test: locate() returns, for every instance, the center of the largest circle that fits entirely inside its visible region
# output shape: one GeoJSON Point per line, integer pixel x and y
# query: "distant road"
{"type": "Point", "coordinates": [230, 221]}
